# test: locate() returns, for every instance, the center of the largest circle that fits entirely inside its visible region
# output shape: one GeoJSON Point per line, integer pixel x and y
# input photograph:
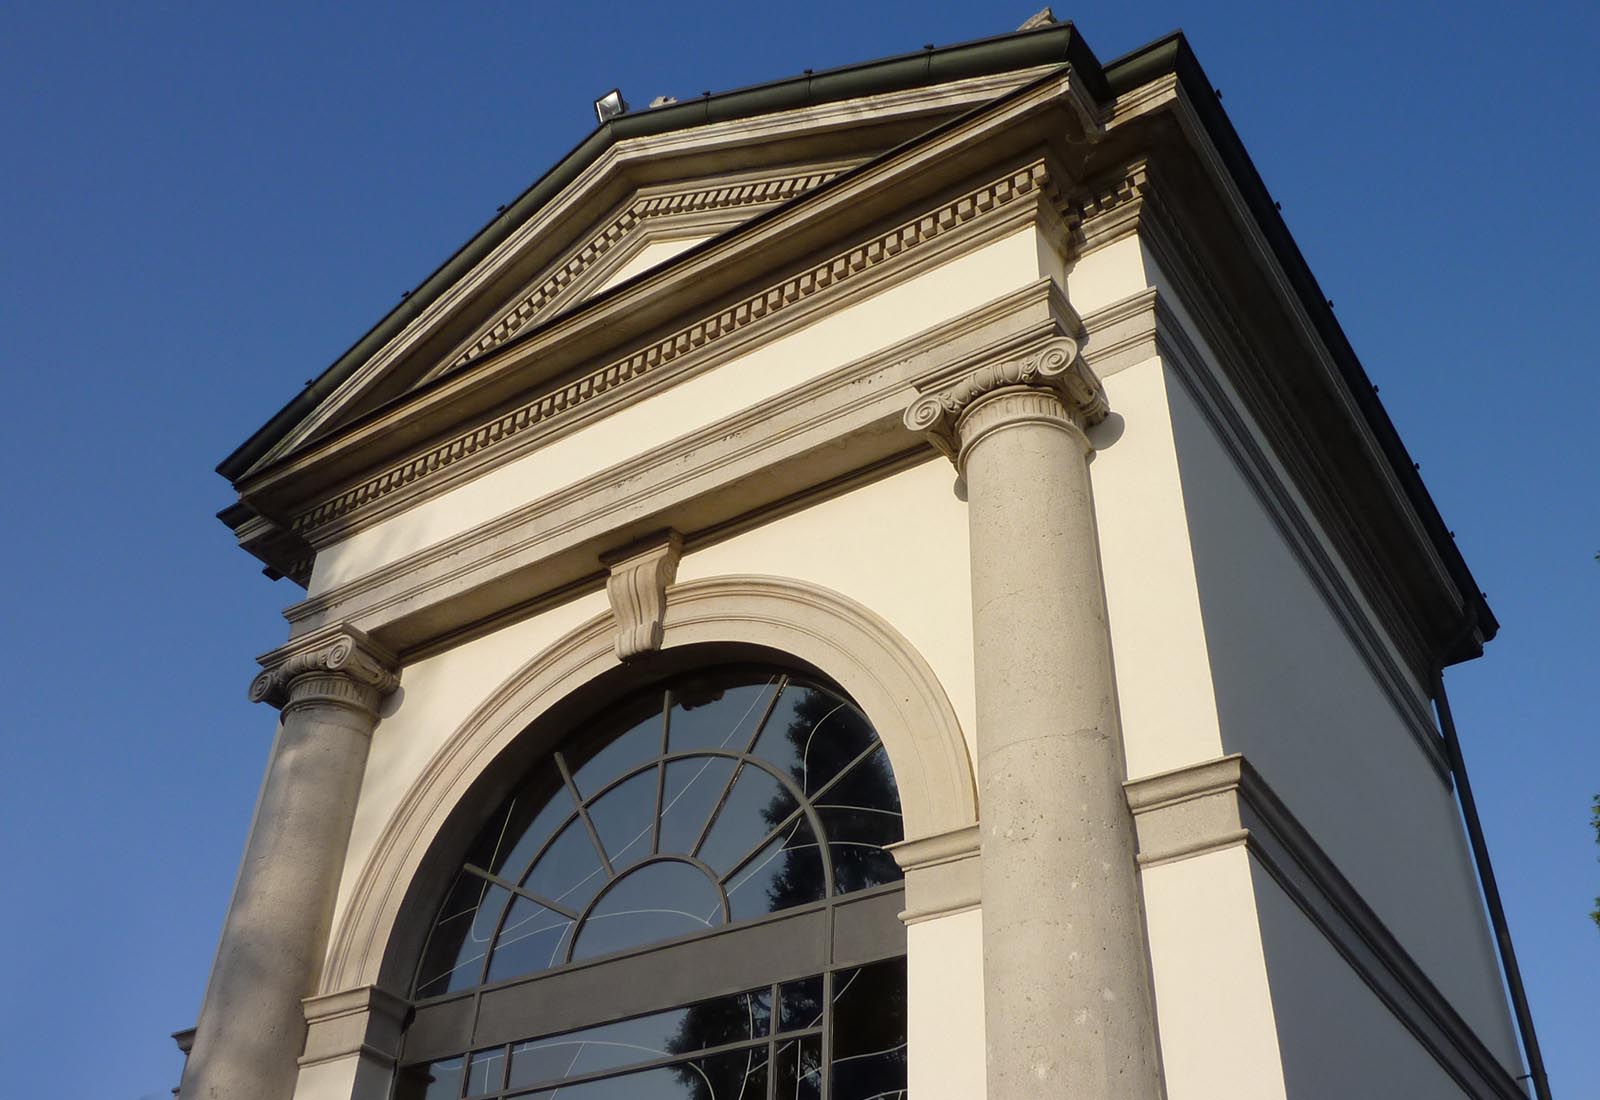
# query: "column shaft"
{"type": "Point", "coordinates": [1068, 1004]}
{"type": "Point", "coordinates": [1066, 973]}
{"type": "Point", "coordinates": [252, 1024]}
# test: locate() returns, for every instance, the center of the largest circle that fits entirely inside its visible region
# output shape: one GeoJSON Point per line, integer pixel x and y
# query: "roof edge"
{"type": "Point", "coordinates": [1172, 54]}
{"type": "Point", "coordinates": [1019, 50]}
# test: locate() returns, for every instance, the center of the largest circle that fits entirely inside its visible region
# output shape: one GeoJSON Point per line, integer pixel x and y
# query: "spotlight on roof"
{"type": "Point", "coordinates": [610, 105]}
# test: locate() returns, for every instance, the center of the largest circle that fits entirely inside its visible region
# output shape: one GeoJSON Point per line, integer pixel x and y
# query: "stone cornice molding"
{"type": "Point", "coordinates": [717, 196]}
{"type": "Point", "coordinates": [335, 516]}
{"type": "Point", "coordinates": [1225, 803]}
{"type": "Point", "coordinates": [943, 875]}
{"type": "Point", "coordinates": [844, 425]}
{"type": "Point", "coordinates": [951, 417]}
{"type": "Point", "coordinates": [339, 664]}
{"type": "Point", "coordinates": [637, 589]}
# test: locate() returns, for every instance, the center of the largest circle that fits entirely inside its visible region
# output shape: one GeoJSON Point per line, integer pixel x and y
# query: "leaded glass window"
{"type": "Point", "coordinates": [691, 897]}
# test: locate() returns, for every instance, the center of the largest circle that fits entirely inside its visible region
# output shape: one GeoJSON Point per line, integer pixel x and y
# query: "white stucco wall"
{"type": "Point", "coordinates": [1218, 1033]}
{"type": "Point", "coordinates": [1337, 1039]}
{"type": "Point", "coordinates": [1295, 696]}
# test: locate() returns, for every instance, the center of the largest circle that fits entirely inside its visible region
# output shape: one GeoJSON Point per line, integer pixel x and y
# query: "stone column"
{"type": "Point", "coordinates": [252, 1024]}
{"type": "Point", "coordinates": [1068, 1001]}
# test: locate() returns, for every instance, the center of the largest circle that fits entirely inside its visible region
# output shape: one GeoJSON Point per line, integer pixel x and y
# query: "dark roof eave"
{"type": "Point", "coordinates": [1058, 43]}
{"type": "Point", "coordinates": [1172, 54]}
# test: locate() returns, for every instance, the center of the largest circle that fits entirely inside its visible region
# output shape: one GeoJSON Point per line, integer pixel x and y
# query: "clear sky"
{"type": "Point", "coordinates": [202, 205]}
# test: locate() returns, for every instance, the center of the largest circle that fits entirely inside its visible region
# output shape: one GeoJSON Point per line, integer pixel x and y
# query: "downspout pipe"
{"type": "Point", "coordinates": [1491, 889]}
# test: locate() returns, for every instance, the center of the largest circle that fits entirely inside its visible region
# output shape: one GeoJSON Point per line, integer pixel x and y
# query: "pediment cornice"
{"type": "Point", "coordinates": [863, 212]}
{"type": "Point", "coordinates": [530, 275]}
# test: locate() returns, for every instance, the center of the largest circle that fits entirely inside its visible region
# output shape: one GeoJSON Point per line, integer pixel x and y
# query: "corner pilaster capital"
{"type": "Point", "coordinates": [1053, 371]}
{"type": "Point", "coordinates": [336, 664]}
{"type": "Point", "coordinates": [637, 588]}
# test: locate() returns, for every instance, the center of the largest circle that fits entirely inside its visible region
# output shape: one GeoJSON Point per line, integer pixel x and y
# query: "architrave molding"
{"type": "Point", "coordinates": [637, 589]}
{"type": "Point", "coordinates": [1224, 803]}
{"type": "Point", "coordinates": [867, 657]}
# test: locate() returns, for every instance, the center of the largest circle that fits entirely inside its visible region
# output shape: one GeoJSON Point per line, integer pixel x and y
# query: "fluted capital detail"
{"type": "Point", "coordinates": [1054, 371]}
{"type": "Point", "coordinates": [339, 664]}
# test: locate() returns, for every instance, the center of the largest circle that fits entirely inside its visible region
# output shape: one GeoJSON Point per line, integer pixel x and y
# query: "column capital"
{"type": "Point", "coordinates": [1053, 370]}
{"type": "Point", "coordinates": [336, 664]}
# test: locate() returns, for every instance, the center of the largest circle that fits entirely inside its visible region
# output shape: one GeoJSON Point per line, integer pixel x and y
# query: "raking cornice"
{"type": "Point", "coordinates": [743, 194]}
{"type": "Point", "coordinates": [989, 202]}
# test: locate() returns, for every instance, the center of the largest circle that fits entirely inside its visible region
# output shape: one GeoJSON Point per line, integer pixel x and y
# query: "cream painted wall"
{"type": "Point", "coordinates": [944, 988]}
{"type": "Point", "coordinates": [831, 341]}
{"type": "Point", "coordinates": [656, 252]}
{"type": "Point", "coordinates": [1338, 1040]}
{"type": "Point", "coordinates": [1294, 695]}
{"type": "Point", "coordinates": [1169, 715]}
{"type": "Point", "coordinates": [897, 546]}
{"type": "Point", "coordinates": [1218, 1035]}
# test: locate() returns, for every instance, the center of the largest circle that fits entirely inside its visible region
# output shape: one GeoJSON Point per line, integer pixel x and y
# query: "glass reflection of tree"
{"type": "Point", "coordinates": [816, 756]}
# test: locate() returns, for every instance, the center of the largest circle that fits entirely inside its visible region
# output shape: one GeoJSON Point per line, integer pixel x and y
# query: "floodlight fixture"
{"type": "Point", "coordinates": [610, 105]}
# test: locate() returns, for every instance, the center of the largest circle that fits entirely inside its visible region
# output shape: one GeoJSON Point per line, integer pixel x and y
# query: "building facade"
{"type": "Point", "coordinates": [890, 582]}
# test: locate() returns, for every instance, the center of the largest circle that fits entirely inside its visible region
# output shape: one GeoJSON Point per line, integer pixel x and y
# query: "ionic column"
{"type": "Point", "coordinates": [252, 1023]}
{"type": "Point", "coordinates": [1068, 1003]}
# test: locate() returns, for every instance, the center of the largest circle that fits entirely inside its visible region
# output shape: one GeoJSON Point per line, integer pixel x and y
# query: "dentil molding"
{"type": "Point", "coordinates": [637, 589]}
{"type": "Point", "coordinates": [341, 658]}
{"type": "Point", "coordinates": [1055, 369]}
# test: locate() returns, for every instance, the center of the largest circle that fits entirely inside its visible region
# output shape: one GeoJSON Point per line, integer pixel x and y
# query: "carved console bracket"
{"type": "Point", "coordinates": [1056, 368]}
{"type": "Point", "coordinates": [637, 588]}
{"type": "Point", "coordinates": [338, 663]}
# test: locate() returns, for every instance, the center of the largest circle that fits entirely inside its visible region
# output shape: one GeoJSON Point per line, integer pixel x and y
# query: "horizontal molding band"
{"type": "Point", "coordinates": [1220, 803]}
{"type": "Point", "coordinates": [832, 427]}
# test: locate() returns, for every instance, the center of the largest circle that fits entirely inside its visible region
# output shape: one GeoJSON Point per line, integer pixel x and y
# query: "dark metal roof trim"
{"type": "Point", "coordinates": [1172, 54]}
{"type": "Point", "coordinates": [1059, 43]}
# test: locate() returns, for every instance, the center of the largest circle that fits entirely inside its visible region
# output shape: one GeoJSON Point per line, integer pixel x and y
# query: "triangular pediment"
{"type": "Point", "coordinates": [604, 217]}
{"type": "Point", "coordinates": [654, 225]}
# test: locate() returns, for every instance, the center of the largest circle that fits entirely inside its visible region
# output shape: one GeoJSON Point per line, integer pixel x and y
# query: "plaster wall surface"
{"type": "Point", "coordinates": [831, 341]}
{"type": "Point", "coordinates": [1336, 1037]}
{"type": "Point", "coordinates": [1295, 696]}
{"type": "Point", "coordinates": [1218, 1033]}
{"type": "Point", "coordinates": [656, 252]}
{"type": "Point", "coordinates": [1169, 714]}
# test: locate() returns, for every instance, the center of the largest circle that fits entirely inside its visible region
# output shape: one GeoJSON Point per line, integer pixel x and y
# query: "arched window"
{"type": "Point", "coordinates": [689, 898]}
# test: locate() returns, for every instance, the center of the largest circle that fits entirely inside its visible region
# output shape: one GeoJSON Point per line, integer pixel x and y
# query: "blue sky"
{"type": "Point", "coordinates": [203, 205]}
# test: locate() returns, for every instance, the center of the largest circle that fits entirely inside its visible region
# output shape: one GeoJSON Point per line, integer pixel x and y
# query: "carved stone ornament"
{"type": "Point", "coordinates": [637, 589]}
{"type": "Point", "coordinates": [1055, 369]}
{"type": "Point", "coordinates": [338, 654]}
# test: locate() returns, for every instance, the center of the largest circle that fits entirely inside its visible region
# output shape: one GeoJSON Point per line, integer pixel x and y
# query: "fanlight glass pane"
{"type": "Point", "coordinates": [454, 956]}
{"type": "Point", "coordinates": [690, 797]}
{"type": "Point", "coordinates": [771, 792]}
{"type": "Point", "coordinates": [710, 713]}
{"type": "Point", "coordinates": [659, 901]}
